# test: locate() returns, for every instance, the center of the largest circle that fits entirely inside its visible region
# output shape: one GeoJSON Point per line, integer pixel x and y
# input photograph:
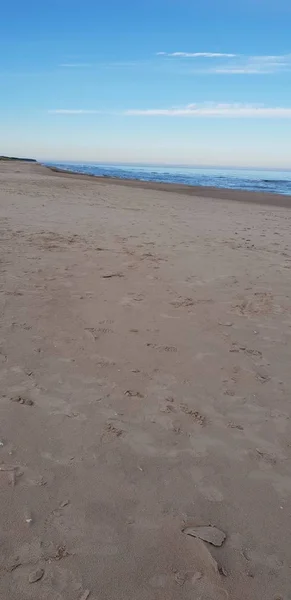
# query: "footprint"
{"type": "Point", "coordinates": [252, 352]}
{"type": "Point", "coordinates": [93, 332]}
{"type": "Point", "coordinates": [110, 431]}
{"type": "Point", "coordinates": [183, 302]}
{"type": "Point", "coordinates": [104, 330]}
{"type": "Point", "coordinates": [138, 298]}
{"type": "Point", "coordinates": [266, 456]}
{"type": "Point", "coordinates": [210, 492]}
{"type": "Point", "coordinates": [133, 394]}
{"type": "Point", "coordinates": [260, 303]}
{"type": "Point", "coordinates": [194, 414]}
{"type": "Point", "coordinates": [102, 361]}
{"type": "Point", "coordinates": [162, 348]}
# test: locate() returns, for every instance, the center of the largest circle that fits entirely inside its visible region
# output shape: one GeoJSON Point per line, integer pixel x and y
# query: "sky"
{"type": "Point", "coordinates": [151, 81]}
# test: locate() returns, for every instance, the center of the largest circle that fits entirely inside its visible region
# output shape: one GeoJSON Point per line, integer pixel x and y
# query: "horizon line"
{"type": "Point", "coordinates": [164, 164]}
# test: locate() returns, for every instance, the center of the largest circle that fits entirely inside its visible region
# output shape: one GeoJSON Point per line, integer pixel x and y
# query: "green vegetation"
{"type": "Point", "coordinates": [15, 158]}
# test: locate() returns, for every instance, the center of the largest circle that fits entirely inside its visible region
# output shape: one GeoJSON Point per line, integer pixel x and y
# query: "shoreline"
{"type": "Point", "coordinates": [265, 198]}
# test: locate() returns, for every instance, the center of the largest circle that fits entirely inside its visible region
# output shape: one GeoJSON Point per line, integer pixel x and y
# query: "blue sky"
{"type": "Point", "coordinates": [167, 81]}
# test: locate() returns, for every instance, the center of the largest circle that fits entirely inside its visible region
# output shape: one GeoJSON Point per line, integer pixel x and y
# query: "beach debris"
{"type": "Point", "coordinates": [36, 575]}
{"type": "Point", "coordinates": [110, 275]}
{"type": "Point", "coordinates": [85, 595]}
{"type": "Point", "coordinates": [28, 517]}
{"type": "Point", "coordinates": [21, 400]}
{"type": "Point", "coordinates": [210, 534]}
{"type": "Point", "coordinates": [226, 324]}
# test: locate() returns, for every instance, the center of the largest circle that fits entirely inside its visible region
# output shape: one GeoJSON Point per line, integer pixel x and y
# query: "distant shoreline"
{"type": "Point", "coordinates": [267, 198]}
{"type": "Point", "coordinates": [8, 158]}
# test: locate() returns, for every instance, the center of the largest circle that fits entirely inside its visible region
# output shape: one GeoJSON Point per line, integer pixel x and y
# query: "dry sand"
{"type": "Point", "coordinates": [146, 337]}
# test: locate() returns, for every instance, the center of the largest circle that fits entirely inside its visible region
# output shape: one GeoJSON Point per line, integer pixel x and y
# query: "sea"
{"type": "Point", "coordinates": [276, 182]}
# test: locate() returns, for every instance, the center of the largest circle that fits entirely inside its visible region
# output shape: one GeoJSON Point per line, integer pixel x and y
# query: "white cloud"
{"type": "Point", "coordinates": [239, 71]}
{"type": "Point", "coordinates": [204, 110]}
{"type": "Point", "coordinates": [232, 63]}
{"type": "Point", "coordinates": [78, 111]}
{"type": "Point", "coordinates": [216, 110]}
{"type": "Point", "coordinates": [75, 65]}
{"type": "Point", "coordinates": [274, 58]}
{"type": "Point", "coordinates": [197, 54]}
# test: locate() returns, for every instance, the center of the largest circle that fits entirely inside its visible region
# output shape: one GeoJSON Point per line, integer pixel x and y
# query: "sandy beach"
{"type": "Point", "coordinates": [145, 353]}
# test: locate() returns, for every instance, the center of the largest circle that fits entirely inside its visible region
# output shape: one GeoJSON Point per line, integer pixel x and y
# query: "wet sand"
{"type": "Point", "coordinates": [278, 200]}
{"type": "Point", "coordinates": [145, 352]}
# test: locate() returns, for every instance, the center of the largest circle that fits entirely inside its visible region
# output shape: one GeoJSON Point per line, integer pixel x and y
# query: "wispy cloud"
{"type": "Point", "coordinates": [239, 71]}
{"type": "Point", "coordinates": [216, 110]}
{"type": "Point", "coordinates": [273, 58]}
{"type": "Point", "coordinates": [73, 111]}
{"type": "Point", "coordinates": [75, 65]}
{"type": "Point", "coordinates": [197, 54]}
{"type": "Point", "coordinates": [233, 63]}
{"type": "Point", "coordinates": [208, 62]}
{"type": "Point", "coordinates": [259, 65]}
{"type": "Point", "coordinates": [206, 110]}
{"type": "Point", "coordinates": [102, 64]}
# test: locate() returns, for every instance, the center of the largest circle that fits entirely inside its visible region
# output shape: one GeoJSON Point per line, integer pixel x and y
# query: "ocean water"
{"type": "Point", "coordinates": [278, 182]}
